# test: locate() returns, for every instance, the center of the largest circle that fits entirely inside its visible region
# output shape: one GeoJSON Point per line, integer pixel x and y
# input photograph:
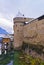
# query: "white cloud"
{"type": "Point", "coordinates": [9, 9]}
{"type": "Point", "coordinates": [6, 24]}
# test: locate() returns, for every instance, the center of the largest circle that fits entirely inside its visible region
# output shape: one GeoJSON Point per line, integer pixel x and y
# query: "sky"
{"type": "Point", "coordinates": [10, 8]}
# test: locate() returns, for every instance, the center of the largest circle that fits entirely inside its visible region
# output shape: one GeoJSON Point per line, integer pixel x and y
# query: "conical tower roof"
{"type": "Point", "coordinates": [19, 14]}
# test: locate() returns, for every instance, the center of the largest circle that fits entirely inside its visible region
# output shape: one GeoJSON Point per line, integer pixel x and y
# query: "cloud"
{"type": "Point", "coordinates": [9, 9]}
{"type": "Point", "coordinates": [7, 25]}
{"type": "Point", "coordinates": [30, 8]}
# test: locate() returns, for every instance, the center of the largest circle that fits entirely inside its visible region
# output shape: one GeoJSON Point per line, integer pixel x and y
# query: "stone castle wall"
{"type": "Point", "coordinates": [34, 32]}
{"type": "Point", "coordinates": [31, 33]}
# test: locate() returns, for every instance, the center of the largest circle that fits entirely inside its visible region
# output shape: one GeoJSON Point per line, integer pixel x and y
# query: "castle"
{"type": "Point", "coordinates": [28, 30]}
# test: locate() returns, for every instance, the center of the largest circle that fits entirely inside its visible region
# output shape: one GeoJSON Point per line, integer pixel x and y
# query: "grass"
{"type": "Point", "coordinates": [27, 60]}
{"type": "Point", "coordinates": [5, 59]}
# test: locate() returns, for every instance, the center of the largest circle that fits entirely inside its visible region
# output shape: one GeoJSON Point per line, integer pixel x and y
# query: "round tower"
{"type": "Point", "coordinates": [18, 30]}
{"type": "Point", "coordinates": [19, 22]}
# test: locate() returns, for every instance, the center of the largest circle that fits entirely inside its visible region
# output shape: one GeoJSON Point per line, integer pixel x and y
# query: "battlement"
{"type": "Point", "coordinates": [21, 19]}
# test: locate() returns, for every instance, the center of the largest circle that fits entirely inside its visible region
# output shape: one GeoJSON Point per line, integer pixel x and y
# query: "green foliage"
{"type": "Point", "coordinates": [5, 59]}
{"type": "Point", "coordinates": [27, 60]}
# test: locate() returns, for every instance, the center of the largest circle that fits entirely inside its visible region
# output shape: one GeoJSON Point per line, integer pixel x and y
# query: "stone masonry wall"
{"type": "Point", "coordinates": [34, 32]}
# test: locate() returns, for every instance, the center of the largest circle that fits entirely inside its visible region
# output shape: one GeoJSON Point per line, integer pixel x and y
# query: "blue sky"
{"type": "Point", "coordinates": [30, 8]}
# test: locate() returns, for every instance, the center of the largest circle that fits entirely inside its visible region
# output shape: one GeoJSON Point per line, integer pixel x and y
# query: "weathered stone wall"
{"type": "Point", "coordinates": [18, 30]}
{"type": "Point", "coordinates": [18, 34]}
{"type": "Point", "coordinates": [31, 33]}
{"type": "Point", "coordinates": [34, 32]}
